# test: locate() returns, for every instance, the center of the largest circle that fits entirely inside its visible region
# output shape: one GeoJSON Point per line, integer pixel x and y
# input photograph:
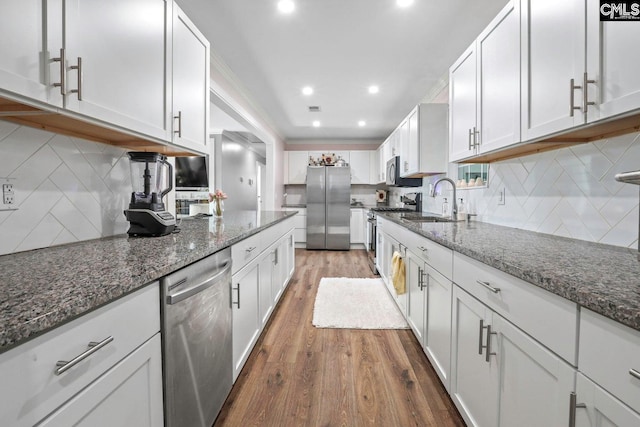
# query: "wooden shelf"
{"type": "Point", "coordinates": [582, 135]}
{"type": "Point", "coordinates": [61, 123]}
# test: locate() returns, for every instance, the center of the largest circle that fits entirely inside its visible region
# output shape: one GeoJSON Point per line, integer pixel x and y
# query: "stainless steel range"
{"type": "Point", "coordinates": [371, 230]}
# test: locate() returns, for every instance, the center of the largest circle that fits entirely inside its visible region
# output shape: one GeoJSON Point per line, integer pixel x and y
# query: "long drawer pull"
{"type": "Point", "coordinates": [635, 374]}
{"type": "Point", "coordinates": [573, 405]}
{"type": "Point", "coordinates": [64, 365]}
{"type": "Point", "coordinates": [62, 84]}
{"type": "Point", "coordinates": [78, 67]}
{"type": "Point", "coordinates": [250, 249]}
{"type": "Point", "coordinates": [488, 286]}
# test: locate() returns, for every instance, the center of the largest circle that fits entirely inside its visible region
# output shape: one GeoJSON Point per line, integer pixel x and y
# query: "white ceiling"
{"type": "Point", "coordinates": [339, 47]}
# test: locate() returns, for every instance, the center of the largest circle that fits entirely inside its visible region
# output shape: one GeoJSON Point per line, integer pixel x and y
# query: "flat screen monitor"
{"type": "Point", "coordinates": [191, 173]}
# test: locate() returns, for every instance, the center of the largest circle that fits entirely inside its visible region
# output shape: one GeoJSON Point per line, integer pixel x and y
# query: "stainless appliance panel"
{"type": "Point", "coordinates": [338, 209]}
{"type": "Point", "coordinates": [316, 207]}
{"type": "Point", "coordinates": [197, 341]}
{"type": "Point", "coordinates": [393, 175]}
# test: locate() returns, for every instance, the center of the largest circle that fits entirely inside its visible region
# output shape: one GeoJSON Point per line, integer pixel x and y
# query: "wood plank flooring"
{"type": "Point", "coordinates": [299, 375]}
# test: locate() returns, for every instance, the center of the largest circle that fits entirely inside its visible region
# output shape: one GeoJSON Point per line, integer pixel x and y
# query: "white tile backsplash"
{"type": "Point", "coordinates": [67, 189]}
{"type": "Point", "coordinates": [569, 192]}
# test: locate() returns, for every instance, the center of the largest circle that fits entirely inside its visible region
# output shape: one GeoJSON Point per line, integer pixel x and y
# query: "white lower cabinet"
{"type": "Point", "coordinates": [598, 408]}
{"type": "Point", "coordinates": [437, 340]}
{"type": "Point", "coordinates": [500, 375]}
{"type": "Point", "coordinates": [258, 284]}
{"type": "Point", "coordinates": [357, 227]}
{"type": "Point", "coordinates": [120, 384]}
{"type": "Point", "coordinates": [109, 401]}
{"type": "Point", "coordinates": [246, 317]}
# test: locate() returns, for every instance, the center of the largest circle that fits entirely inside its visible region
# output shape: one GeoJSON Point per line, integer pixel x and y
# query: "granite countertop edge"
{"type": "Point", "coordinates": [25, 315]}
{"type": "Point", "coordinates": [599, 277]}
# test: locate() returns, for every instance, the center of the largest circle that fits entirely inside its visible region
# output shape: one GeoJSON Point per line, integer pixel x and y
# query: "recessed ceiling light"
{"type": "Point", "coordinates": [362, 123]}
{"type": "Point", "coordinates": [316, 123]}
{"type": "Point", "coordinates": [286, 6]}
{"type": "Point", "coordinates": [404, 3]}
{"type": "Point", "coordinates": [374, 89]}
{"type": "Point", "coordinates": [307, 90]}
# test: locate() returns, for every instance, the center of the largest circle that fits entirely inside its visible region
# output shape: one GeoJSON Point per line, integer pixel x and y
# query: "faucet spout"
{"type": "Point", "coordinates": [454, 211]}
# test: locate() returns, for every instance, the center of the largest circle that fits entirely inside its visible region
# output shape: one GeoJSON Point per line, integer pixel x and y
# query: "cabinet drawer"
{"type": "Point", "coordinates": [437, 256]}
{"type": "Point", "coordinates": [244, 251]}
{"type": "Point", "coordinates": [609, 356]}
{"type": "Point", "coordinates": [30, 389]}
{"type": "Point", "coordinates": [550, 319]}
{"type": "Point", "coordinates": [271, 234]}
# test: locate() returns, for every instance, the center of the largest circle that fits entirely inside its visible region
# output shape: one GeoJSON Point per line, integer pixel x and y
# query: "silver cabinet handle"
{"type": "Point", "coordinates": [480, 343]}
{"type": "Point", "coordinates": [471, 135]}
{"type": "Point", "coordinates": [207, 283]}
{"type": "Point", "coordinates": [572, 89]}
{"type": "Point", "coordinates": [585, 90]}
{"type": "Point", "coordinates": [488, 354]}
{"type": "Point", "coordinates": [406, 166]}
{"type": "Point", "coordinates": [179, 118]}
{"type": "Point", "coordinates": [572, 408]}
{"type": "Point", "coordinates": [476, 133]}
{"type": "Point", "coordinates": [238, 290]}
{"type": "Point", "coordinates": [79, 89]}
{"type": "Point", "coordinates": [275, 257]}
{"type": "Point", "coordinates": [63, 365]}
{"type": "Point", "coordinates": [61, 60]}
{"type": "Point", "coordinates": [635, 374]}
{"type": "Point", "coordinates": [488, 286]}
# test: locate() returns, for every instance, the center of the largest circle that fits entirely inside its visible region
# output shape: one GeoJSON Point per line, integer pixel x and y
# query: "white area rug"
{"type": "Point", "coordinates": [355, 304]}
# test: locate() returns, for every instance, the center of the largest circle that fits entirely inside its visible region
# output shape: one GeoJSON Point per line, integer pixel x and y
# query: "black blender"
{"type": "Point", "coordinates": [146, 214]}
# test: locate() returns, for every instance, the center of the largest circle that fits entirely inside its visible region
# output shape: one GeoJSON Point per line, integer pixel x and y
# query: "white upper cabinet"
{"type": "Point", "coordinates": [23, 52]}
{"type": "Point", "coordinates": [190, 89]}
{"type": "Point", "coordinates": [485, 89]}
{"type": "Point", "coordinates": [115, 62]}
{"type": "Point", "coordinates": [462, 101]}
{"type": "Point", "coordinates": [613, 60]}
{"type": "Point", "coordinates": [424, 133]}
{"type": "Point", "coordinates": [360, 162]}
{"type": "Point", "coordinates": [297, 167]}
{"type": "Point", "coordinates": [553, 53]}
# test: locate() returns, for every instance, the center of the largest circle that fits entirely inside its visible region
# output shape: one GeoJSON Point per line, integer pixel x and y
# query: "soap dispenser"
{"type": "Point", "coordinates": [445, 207]}
{"type": "Point", "coordinates": [462, 210]}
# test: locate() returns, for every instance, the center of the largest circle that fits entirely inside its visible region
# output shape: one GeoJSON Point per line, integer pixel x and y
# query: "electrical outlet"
{"type": "Point", "coordinates": [502, 196]}
{"type": "Point", "coordinates": [8, 195]}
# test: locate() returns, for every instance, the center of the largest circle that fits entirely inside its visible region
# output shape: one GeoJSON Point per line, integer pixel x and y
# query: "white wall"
{"type": "Point", "coordinates": [67, 189]}
{"type": "Point", "coordinates": [569, 192]}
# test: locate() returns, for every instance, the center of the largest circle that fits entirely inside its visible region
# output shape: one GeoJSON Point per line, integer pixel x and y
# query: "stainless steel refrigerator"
{"type": "Point", "coordinates": [328, 208]}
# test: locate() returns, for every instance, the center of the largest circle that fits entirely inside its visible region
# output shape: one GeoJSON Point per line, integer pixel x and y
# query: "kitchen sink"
{"type": "Point", "coordinates": [425, 218]}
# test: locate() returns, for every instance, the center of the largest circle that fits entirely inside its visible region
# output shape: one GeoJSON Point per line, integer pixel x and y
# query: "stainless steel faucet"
{"type": "Point", "coordinates": [454, 211]}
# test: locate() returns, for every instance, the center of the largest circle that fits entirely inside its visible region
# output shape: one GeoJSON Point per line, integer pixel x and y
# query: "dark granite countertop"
{"type": "Point", "coordinates": [602, 278]}
{"type": "Point", "coordinates": [44, 288]}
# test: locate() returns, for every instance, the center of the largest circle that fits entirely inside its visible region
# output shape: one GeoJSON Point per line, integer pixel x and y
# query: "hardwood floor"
{"type": "Point", "coordinates": [299, 375]}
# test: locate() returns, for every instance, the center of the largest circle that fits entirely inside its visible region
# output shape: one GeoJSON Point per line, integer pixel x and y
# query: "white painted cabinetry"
{"type": "Point", "coordinates": [484, 90]}
{"type": "Point", "coordinates": [262, 267]}
{"type": "Point", "coordinates": [190, 84]}
{"type": "Point", "coordinates": [297, 167]}
{"type": "Point", "coordinates": [599, 408]}
{"type": "Point", "coordinates": [500, 375]}
{"type": "Point", "coordinates": [98, 389]}
{"type": "Point", "coordinates": [424, 133]}
{"type": "Point", "coordinates": [360, 163]}
{"type": "Point", "coordinates": [357, 226]}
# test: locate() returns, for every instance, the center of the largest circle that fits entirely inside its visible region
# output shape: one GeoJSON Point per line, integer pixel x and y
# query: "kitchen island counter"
{"type": "Point", "coordinates": [45, 288]}
{"type": "Point", "coordinates": [602, 278]}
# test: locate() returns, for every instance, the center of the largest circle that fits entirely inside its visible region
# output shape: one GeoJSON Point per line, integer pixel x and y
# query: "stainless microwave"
{"type": "Point", "coordinates": [393, 175]}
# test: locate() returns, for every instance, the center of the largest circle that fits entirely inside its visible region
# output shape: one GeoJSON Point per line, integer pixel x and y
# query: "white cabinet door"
{"type": "Point", "coordinates": [24, 57]}
{"type": "Point", "coordinates": [291, 254]}
{"type": "Point", "coordinates": [266, 287]}
{"type": "Point", "coordinates": [462, 105]}
{"type": "Point", "coordinates": [115, 63]}
{"type": "Point", "coordinates": [601, 408]}
{"type": "Point", "coordinates": [498, 77]}
{"type": "Point", "coordinates": [552, 53]}
{"type": "Point", "coordinates": [535, 384]}
{"type": "Point", "coordinates": [298, 162]}
{"type": "Point", "coordinates": [280, 267]}
{"type": "Point", "coordinates": [246, 318]}
{"type": "Point", "coordinates": [190, 89]}
{"type": "Point", "coordinates": [474, 381]}
{"type": "Point", "coordinates": [417, 296]}
{"type": "Point", "coordinates": [356, 227]}
{"type": "Point", "coordinates": [612, 61]}
{"type": "Point", "coordinates": [403, 146]}
{"type": "Point", "coordinates": [437, 342]}
{"type": "Point", "coordinates": [412, 155]}
{"type": "Point", "coordinates": [382, 162]}
{"type": "Point", "coordinates": [360, 162]}
{"type": "Point", "coordinates": [129, 394]}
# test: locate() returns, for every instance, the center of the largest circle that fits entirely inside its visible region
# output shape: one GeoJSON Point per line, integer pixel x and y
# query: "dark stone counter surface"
{"type": "Point", "coordinates": [602, 278]}
{"type": "Point", "coordinates": [44, 288]}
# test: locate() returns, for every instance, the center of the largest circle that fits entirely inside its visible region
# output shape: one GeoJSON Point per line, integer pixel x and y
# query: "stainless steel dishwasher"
{"type": "Point", "coordinates": [196, 341]}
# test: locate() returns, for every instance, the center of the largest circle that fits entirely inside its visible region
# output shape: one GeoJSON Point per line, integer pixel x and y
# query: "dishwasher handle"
{"type": "Point", "coordinates": [207, 283]}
